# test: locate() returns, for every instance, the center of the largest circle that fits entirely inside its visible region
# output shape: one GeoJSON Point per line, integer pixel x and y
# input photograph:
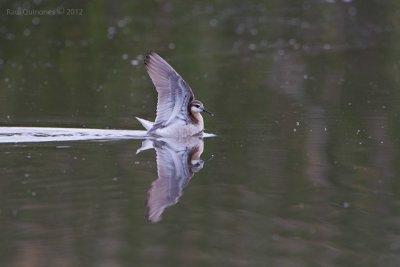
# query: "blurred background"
{"type": "Point", "coordinates": [306, 167]}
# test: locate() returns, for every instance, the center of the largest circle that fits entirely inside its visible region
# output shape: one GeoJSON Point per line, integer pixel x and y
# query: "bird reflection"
{"type": "Point", "coordinates": [177, 161]}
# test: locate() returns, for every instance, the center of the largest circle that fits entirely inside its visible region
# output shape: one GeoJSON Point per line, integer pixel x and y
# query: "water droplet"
{"type": "Point", "coordinates": [275, 237]}
{"type": "Point", "coordinates": [27, 32]}
{"type": "Point", "coordinates": [252, 46]}
{"type": "Point", "coordinates": [10, 36]}
{"type": "Point", "coordinates": [352, 11]}
{"type": "Point", "coordinates": [121, 23]}
{"type": "Point", "coordinates": [240, 28]}
{"type": "Point", "coordinates": [111, 31]}
{"type": "Point", "coordinates": [213, 22]}
{"type": "Point", "coordinates": [254, 31]}
{"type": "Point", "coordinates": [263, 43]}
{"type": "Point", "coordinates": [35, 21]}
{"type": "Point", "coordinates": [171, 46]}
{"type": "Point", "coordinates": [327, 46]}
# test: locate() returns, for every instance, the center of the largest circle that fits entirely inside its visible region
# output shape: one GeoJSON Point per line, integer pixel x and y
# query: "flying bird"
{"type": "Point", "coordinates": [178, 112]}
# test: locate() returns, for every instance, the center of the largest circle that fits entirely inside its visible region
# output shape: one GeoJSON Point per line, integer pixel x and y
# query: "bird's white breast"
{"type": "Point", "coordinates": [179, 128]}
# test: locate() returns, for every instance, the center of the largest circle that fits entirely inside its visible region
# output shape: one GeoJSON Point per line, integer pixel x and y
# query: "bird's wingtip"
{"type": "Point", "coordinates": [148, 57]}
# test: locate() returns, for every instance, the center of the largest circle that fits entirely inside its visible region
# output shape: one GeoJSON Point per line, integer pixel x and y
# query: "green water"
{"type": "Point", "coordinates": [306, 162]}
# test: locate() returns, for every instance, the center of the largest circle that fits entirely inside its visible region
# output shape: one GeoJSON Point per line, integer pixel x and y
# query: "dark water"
{"type": "Point", "coordinates": [306, 162]}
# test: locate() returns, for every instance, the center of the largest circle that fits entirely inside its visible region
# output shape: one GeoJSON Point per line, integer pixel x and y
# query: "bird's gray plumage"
{"type": "Point", "coordinates": [174, 94]}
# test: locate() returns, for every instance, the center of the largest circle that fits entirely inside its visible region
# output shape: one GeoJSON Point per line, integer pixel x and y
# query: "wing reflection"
{"type": "Point", "coordinates": [177, 161]}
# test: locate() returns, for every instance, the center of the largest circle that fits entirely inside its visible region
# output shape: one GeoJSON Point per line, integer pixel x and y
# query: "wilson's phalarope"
{"type": "Point", "coordinates": [178, 112]}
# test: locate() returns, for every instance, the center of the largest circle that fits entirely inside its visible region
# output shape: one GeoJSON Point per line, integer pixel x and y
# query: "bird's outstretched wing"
{"type": "Point", "coordinates": [173, 175]}
{"type": "Point", "coordinates": [174, 94]}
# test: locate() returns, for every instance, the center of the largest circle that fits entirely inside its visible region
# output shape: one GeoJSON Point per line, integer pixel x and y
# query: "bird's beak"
{"type": "Point", "coordinates": [206, 111]}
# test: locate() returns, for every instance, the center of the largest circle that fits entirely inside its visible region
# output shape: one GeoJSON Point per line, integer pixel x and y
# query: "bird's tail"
{"type": "Point", "coordinates": [146, 124]}
{"type": "Point", "coordinates": [146, 144]}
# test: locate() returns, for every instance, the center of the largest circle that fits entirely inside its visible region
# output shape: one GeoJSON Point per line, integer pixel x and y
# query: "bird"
{"type": "Point", "coordinates": [178, 111]}
{"type": "Point", "coordinates": [177, 161]}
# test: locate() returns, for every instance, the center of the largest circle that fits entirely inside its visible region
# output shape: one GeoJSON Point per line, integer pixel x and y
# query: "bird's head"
{"type": "Point", "coordinates": [196, 107]}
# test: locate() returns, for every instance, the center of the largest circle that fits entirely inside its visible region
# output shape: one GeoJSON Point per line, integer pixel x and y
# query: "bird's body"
{"type": "Point", "coordinates": [178, 112]}
{"type": "Point", "coordinates": [178, 128]}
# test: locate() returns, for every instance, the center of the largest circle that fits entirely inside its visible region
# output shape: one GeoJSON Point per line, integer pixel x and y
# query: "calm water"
{"type": "Point", "coordinates": [306, 163]}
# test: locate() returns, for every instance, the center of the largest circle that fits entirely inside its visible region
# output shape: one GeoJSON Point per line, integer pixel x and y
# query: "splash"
{"type": "Point", "coordinates": [51, 134]}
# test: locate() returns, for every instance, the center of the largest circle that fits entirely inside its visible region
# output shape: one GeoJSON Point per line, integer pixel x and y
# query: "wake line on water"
{"type": "Point", "coordinates": [53, 134]}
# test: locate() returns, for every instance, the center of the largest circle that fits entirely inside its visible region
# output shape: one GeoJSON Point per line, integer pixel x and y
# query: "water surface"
{"type": "Point", "coordinates": [305, 168]}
